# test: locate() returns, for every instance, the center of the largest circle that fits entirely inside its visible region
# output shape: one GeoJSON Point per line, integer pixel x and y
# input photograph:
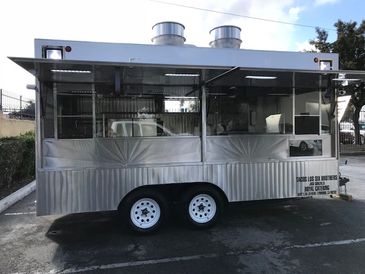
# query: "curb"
{"type": "Point", "coordinates": [345, 197]}
{"type": "Point", "coordinates": [17, 196]}
{"type": "Point", "coordinates": [354, 153]}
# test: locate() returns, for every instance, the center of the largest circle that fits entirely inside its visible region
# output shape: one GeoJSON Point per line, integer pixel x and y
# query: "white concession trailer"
{"type": "Point", "coordinates": [144, 128]}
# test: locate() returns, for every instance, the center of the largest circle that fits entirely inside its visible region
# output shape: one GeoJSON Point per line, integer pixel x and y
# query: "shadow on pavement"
{"type": "Point", "coordinates": [91, 239]}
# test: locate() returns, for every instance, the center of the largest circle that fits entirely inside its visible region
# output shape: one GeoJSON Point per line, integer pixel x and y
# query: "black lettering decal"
{"type": "Point", "coordinates": [301, 179]}
{"type": "Point", "coordinates": [308, 188]}
{"type": "Point", "coordinates": [329, 177]}
{"type": "Point", "coordinates": [321, 188]}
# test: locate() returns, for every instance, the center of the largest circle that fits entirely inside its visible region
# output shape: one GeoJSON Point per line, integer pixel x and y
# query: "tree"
{"type": "Point", "coordinates": [350, 45]}
{"type": "Point", "coordinates": [321, 43]}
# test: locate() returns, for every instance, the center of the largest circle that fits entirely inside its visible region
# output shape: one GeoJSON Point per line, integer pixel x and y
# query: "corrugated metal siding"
{"type": "Point", "coordinates": [95, 189]}
{"type": "Point", "coordinates": [257, 181]}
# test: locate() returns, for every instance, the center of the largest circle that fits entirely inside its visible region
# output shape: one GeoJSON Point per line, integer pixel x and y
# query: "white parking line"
{"type": "Point", "coordinates": [19, 213]}
{"type": "Point", "coordinates": [196, 257]}
{"type": "Point", "coordinates": [137, 263]}
{"type": "Point", "coordinates": [342, 242]}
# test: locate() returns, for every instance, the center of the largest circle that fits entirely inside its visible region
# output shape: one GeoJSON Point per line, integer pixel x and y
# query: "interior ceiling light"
{"type": "Point", "coordinates": [348, 80]}
{"type": "Point", "coordinates": [260, 77]}
{"type": "Point", "coordinates": [217, 93]}
{"type": "Point", "coordinates": [179, 97]}
{"type": "Point", "coordinates": [82, 91]}
{"type": "Point", "coordinates": [182, 74]}
{"type": "Point", "coordinates": [278, 94]}
{"type": "Point", "coordinates": [70, 71]}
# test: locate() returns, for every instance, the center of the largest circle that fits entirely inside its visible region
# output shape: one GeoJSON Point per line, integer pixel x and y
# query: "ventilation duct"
{"type": "Point", "coordinates": [226, 37]}
{"type": "Point", "coordinates": [168, 33]}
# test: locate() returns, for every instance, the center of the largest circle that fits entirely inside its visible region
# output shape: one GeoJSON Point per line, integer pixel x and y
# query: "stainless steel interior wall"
{"type": "Point", "coordinates": [181, 124]}
{"type": "Point", "coordinates": [124, 105]}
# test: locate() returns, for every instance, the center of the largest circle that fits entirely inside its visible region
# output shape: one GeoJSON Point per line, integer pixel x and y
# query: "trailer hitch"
{"type": "Point", "coordinates": [342, 182]}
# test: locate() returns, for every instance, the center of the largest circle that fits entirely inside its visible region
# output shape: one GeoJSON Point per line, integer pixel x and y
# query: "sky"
{"type": "Point", "coordinates": [131, 21]}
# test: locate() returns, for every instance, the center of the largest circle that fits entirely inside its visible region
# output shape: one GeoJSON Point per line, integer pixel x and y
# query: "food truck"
{"type": "Point", "coordinates": [150, 128]}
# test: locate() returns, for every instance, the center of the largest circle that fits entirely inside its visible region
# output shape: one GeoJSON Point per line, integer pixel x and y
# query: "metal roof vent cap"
{"type": "Point", "coordinates": [168, 33]}
{"type": "Point", "coordinates": [226, 37]}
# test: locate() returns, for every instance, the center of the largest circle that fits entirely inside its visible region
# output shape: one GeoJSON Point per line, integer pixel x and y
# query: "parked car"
{"type": "Point", "coordinates": [128, 128]}
{"type": "Point", "coordinates": [346, 137]}
{"type": "Point", "coordinates": [347, 133]}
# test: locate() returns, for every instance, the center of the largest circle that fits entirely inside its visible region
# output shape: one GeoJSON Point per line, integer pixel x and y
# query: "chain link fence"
{"type": "Point", "coordinates": [347, 135]}
{"type": "Point", "coordinates": [16, 107]}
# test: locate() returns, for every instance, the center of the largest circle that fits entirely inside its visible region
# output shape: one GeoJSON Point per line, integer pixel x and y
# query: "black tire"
{"type": "Point", "coordinates": [202, 194]}
{"type": "Point", "coordinates": [144, 203]}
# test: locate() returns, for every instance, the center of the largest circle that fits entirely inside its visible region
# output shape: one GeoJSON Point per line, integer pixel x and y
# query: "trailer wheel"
{"type": "Point", "coordinates": [145, 210]}
{"type": "Point", "coordinates": [202, 206]}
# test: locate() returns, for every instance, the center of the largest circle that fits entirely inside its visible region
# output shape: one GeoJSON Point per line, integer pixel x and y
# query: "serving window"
{"type": "Point", "coordinates": [314, 104]}
{"type": "Point", "coordinates": [74, 110]}
{"type": "Point", "coordinates": [153, 102]}
{"type": "Point", "coordinates": [103, 101]}
{"type": "Point", "coordinates": [306, 111]}
{"type": "Point", "coordinates": [47, 110]}
{"type": "Point", "coordinates": [128, 115]}
{"type": "Point", "coordinates": [307, 104]}
{"type": "Point", "coordinates": [251, 103]}
{"type": "Point", "coordinates": [169, 113]}
{"type": "Point", "coordinates": [250, 111]}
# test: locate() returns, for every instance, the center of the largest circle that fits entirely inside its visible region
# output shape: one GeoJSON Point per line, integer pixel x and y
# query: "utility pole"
{"type": "Point", "coordinates": [1, 101]}
{"type": "Point", "coordinates": [20, 105]}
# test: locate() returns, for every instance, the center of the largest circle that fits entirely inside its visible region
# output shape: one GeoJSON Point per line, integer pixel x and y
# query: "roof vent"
{"type": "Point", "coordinates": [226, 37]}
{"type": "Point", "coordinates": [168, 33]}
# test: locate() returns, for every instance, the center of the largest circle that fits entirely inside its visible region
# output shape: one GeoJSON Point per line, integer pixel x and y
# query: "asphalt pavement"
{"type": "Point", "coordinates": [320, 235]}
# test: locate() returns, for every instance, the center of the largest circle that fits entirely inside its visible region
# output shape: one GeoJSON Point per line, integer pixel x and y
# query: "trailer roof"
{"type": "Point", "coordinates": [186, 55]}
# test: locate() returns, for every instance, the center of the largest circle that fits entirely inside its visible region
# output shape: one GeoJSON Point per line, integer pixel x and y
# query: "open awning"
{"type": "Point", "coordinates": [49, 70]}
